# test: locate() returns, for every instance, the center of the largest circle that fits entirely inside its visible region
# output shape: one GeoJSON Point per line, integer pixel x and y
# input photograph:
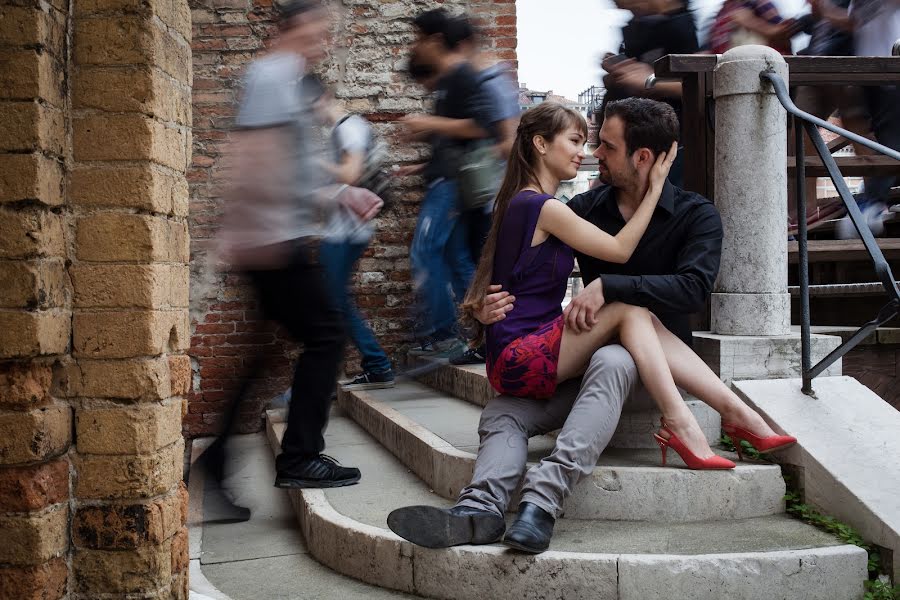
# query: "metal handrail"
{"type": "Point", "coordinates": [882, 268]}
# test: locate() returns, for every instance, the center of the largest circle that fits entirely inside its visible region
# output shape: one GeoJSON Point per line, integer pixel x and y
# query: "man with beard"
{"type": "Point", "coordinates": [671, 272]}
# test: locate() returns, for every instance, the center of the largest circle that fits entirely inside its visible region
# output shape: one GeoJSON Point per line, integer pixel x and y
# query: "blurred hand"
{"type": "Point", "coordinates": [631, 75]}
{"type": "Point", "coordinates": [408, 170]}
{"type": "Point", "coordinates": [581, 313]}
{"type": "Point", "coordinates": [496, 304]}
{"type": "Point", "coordinates": [417, 124]}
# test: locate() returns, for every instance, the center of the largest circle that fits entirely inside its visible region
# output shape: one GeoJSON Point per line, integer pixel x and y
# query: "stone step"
{"type": "Point", "coordinates": [436, 436]}
{"type": "Point", "coordinates": [766, 557]}
{"type": "Point", "coordinates": [470, 383]}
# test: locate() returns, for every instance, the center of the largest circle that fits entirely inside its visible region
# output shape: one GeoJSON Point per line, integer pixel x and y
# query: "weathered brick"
{"type": "Point", "coordinates": [125, 334]}
{"type": "Point", "coordinates": [180, 374]}
{"type": "Point", "coordinates": [184, 501]}
{"type": "Point", "coordinates": [33, 284]}
{"type": "Point", "coordinates": [180, 551]}
{"type": "Point", "coordinates": [180, 589]}
{"type": "Point", "coordinates": [130, 286]}
{"type": "Point", "coordinates": [34, 538]}
{"type": "Point", "coordinates": [138, 89]}
{"type": "Point", "coordinates": [123, 526]}
{"type": "Point", "coordinates": [114, 137]}
{"type": "Point", "coordinates": [126, 379]}
{"type": "Point", "coordinates": [129, 476]}
{"type": "Point", "coordinates": [28, 75]}
{"type": "Point", "coordinates": [46, 581]}
{"type": "Point", "coordinates": [131, 40]}
{"type": "Point", "coordinates": [29, 233]}
{"type": "Point", "coordinates": [32, 26]}
{"type": "Point", "coordinates": [120, 237]}
{"type": "Point", "coordinates": [34, 435]}
{"type": "Point", "coordinates": [136, 429]}
{"type": "Point", "coordinates": [174, 13]}
{"type": "Point", "coordinates": [31, 177]}
{"type": "Point", "coordinates": [35, 487]}
{"type": "Point", "coordinates": [24, 334]}
{"type": "Point", "coordinates": [24, 384]}
{"type": "Point", "coordinates": [144, 569]}
{"type": "Point", "coordinates": [30, 126]}
{"type": "Point", "coordinates": [144, 187]}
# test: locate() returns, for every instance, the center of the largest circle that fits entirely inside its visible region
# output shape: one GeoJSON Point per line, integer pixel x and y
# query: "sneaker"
{"type": "Point", "coordinates": [369, 381]}
{"type": "Point", "coordinates": [441, 348]}
{"type": "Point", "coordinates": [321, 471]}
{"type": "Point", "coordinates": [472, 356]}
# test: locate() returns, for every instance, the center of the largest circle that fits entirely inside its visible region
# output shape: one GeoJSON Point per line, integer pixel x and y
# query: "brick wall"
{"type": "Point", "coordinates": [371, 50]}
{"type": "Point", "coordinates": [95, 111]}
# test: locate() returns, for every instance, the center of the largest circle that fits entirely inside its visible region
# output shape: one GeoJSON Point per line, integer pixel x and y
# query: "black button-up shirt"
{"type": "Point", "coordinates": [674, 266]}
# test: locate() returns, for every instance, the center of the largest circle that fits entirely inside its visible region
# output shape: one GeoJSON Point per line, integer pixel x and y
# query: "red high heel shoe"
{"type": "Point", "coordinates": [761, 444]}
{"type": "Point", "coordinates": [690, 459]}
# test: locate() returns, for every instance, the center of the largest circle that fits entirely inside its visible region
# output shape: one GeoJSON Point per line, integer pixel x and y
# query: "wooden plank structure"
{"type": "Point", "coordinates": [695, 72]}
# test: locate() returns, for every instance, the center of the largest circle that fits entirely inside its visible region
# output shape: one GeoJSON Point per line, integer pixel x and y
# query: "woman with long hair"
{"type": "Point", "coordinates": [529, 251]}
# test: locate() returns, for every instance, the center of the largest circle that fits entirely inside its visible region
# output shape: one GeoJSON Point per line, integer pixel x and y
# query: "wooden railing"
{"type": "Point", "coordinates": [695, 72]}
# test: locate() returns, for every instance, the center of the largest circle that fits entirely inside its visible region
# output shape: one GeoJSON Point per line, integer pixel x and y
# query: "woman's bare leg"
{"type": "Point", "coordinates": [696, 378]}
{"type": "Point", "coordinates": [634, 327]}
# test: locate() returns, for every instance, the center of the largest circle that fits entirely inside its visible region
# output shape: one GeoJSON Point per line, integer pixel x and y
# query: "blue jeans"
{"type": "Point", "coordinates": [440, 259]}
{"type": "Point", "coordinates": [338, 259]}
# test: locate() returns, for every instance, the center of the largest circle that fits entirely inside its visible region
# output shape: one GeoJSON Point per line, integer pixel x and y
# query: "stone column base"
{"type": "Point", "coordinates": [761, 357]}
{"type": "Point", "coordinates": [751, 314]}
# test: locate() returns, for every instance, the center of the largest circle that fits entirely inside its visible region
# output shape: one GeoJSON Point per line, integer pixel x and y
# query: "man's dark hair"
{"type": "Point", "coordinates": [288, 9]}
{"type": "Point", "coordinates": [438, 22]}
{"type": "Point", "coordinates": [461, 30]}
{"type": "Point", "coordinates": [419, 70]}
{"type": "Point", "coordinates": [648, 123]}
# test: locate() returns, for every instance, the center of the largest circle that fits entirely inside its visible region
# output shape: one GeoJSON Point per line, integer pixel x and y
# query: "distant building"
{"type": "Point", "coordinates": [531, 98]}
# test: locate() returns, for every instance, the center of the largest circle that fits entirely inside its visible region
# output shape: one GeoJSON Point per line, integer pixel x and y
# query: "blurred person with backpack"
{"type": "Point", "coordinates": [440, 256]}
{"type": "Point", "coordinates": [358, 158]}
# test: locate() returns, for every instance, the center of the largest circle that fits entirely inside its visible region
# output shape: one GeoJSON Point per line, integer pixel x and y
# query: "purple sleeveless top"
{"type": "Point", "coordinates": [536, 276]}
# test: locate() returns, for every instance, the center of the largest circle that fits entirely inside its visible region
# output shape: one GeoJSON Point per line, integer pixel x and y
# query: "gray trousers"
{"type": "Point", "coordinates": [587, 415]}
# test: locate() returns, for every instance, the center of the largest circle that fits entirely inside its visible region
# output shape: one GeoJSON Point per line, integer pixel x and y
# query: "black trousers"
{"type": "Point", "coordinates": [296, 297]}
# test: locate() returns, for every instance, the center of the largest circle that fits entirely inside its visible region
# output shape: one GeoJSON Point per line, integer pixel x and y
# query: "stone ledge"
{"type": "Point", "coordinates": [627, 486]}
{"type": "Point", "coordinates": [379, 557]}
{"type": "Point", "coordinates": [847, 447]}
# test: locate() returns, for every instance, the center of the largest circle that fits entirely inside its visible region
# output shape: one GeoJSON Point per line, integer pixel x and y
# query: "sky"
{"type": "Point", "coordinates": [561, 41]}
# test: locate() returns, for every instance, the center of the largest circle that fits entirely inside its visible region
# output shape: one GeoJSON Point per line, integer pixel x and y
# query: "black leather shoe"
{"type": "Point", "coordinates": [320, 471]}
{"type": "Point", "coordinates": [532, 529]}
{"type": "Point", "coordinates": [434, 527]}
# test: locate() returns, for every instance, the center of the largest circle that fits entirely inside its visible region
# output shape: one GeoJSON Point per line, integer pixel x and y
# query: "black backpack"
{"type": "Point", "coordinates": [375, 176]}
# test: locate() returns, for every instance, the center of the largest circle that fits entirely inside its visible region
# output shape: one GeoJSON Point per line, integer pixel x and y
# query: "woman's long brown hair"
{"type": "Point", "coordinates": [547, 120]}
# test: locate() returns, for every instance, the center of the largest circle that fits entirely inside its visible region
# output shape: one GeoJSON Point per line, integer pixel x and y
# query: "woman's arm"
{"type": "Point", "coordinates": [349, 170]}
{"type": "Point", "coordinates": [558, 220]}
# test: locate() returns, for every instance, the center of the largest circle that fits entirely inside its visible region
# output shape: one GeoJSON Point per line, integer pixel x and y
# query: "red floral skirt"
{"type": "Point", "coordinates": [527, 366]}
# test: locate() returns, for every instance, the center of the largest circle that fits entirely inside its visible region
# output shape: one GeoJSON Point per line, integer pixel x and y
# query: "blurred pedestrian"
{"type": "Point", "coordinates": [441, 260]}
{"type": "Point", "coordinates": [357, 160]}
{"type": "Point", "coordinates": [271, 233]}
{"type": "Point", "coordinates": [658, 28]}
{"type": "Point", "coordinates": [744, 22]}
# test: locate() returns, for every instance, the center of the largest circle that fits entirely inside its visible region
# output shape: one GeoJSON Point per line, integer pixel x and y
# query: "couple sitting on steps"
{"type": "Point", "coordinates": [626, 335]}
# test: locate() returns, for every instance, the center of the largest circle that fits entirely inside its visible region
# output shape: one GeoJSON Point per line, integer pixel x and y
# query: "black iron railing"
{"type": "Point", "coordinates": [882, 269]}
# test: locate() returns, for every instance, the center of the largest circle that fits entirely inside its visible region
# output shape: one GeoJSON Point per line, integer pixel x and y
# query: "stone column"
{"type": "Point", "coordinates": [751, 335]}
{"type": "Point", "coordinates": [130, 135]}
{"type": "Point", "coordinates": [750, 296]}
{"type": "Point", "coordinates": [35, 302]}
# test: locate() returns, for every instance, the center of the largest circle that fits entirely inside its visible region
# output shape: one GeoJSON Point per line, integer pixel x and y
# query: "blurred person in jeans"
{"type": "Point", "coordinates": [441, 260]}
{"type": "Point", "coordinates": [500, 96]}
{"type": "Point", "coordinates": [875, 25]}
{"type": "Point", "coordinates": [271, 233]}
{"type": "Point", "coordinates": [350, 230]}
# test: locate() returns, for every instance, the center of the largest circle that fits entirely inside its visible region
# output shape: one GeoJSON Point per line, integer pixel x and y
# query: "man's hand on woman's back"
{"type": "Point", "coordinates": [496, 304]}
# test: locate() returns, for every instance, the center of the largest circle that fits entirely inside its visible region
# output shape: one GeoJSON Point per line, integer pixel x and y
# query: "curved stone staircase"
{"type": "Point", "coordinates": [633, 530]}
